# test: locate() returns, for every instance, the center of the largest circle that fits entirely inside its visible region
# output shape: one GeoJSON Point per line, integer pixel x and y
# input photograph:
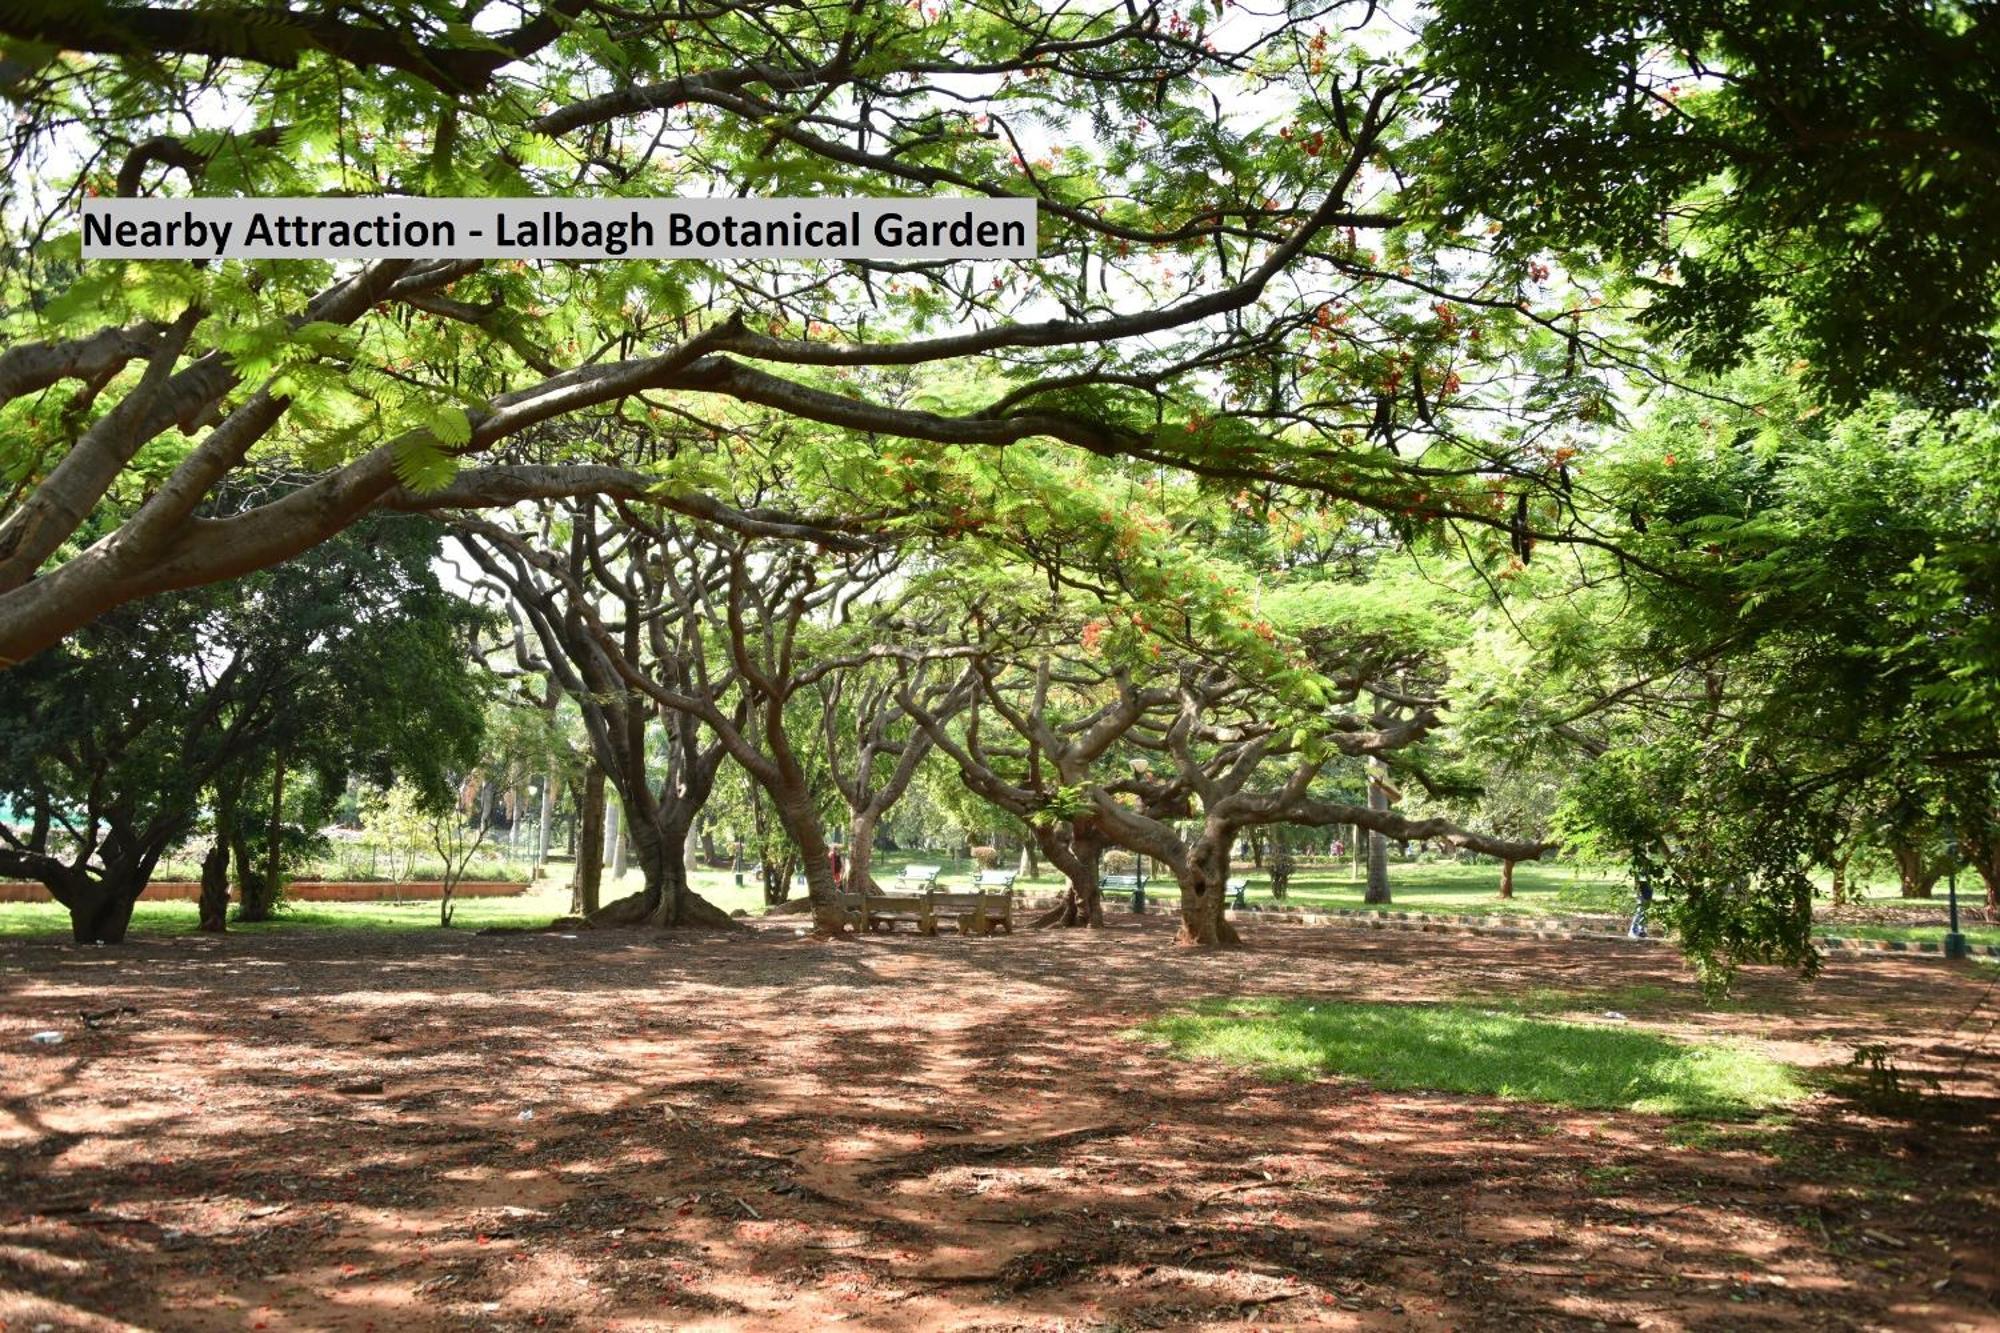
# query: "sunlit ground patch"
{"type": "Point", "coordinates": [1462, 1048]}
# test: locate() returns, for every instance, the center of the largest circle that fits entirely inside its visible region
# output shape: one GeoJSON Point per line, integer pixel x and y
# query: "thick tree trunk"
{"type": "Point", "coordinates": [1378, 850]}
{"type": "Point", "coordinates": [1506, 879]}
{"type": "Point", "coordinates": [587, 884]}
{"type": "Point", "coordinates": [214, 905]}
{"type": "Point", "coordinates": [100, 908]}
{"type": "Point", "coordinates": [1075, 852]}
{"type": "Point", "coordinates": [102, 914]}
{"type": "Point", "coordinates": [861, 852]}
{"type": "Point", "coordinates": [1916, 877]}
{"type": "Point", "coordinates": [1204, 884]}
{"type": "Point", "coordinates": [671, 901]}
{"type": "Point", "coordinates": [800, 821]}
{"type": "Point", "coordinates": [1203, 926]}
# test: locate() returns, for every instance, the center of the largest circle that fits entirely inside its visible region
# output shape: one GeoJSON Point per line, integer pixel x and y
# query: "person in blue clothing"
{"type": "Point", "coordinates": [1638, 927]}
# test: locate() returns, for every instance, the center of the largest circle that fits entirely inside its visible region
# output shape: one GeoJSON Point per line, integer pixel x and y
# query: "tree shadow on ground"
{"type": "Point", "coordinates": [776, 1132]}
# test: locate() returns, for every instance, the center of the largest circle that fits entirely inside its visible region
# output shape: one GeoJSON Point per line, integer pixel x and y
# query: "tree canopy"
{"type": "Point", "coordinates": [1819, 175]}
{"type": "Point", "coordinates": [348, 660]}
{"type": "Point", "coordinates": [1583, 413]}
{"type": "Point", "coordinates": [1228, 280]}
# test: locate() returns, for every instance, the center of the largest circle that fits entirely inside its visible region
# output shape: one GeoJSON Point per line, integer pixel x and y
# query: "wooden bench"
{"type": "Point", "coordinates": [976, 912]}
{"type": "Point", "coordinates": [919, 879]}
{"type": "Point", "coordinates": [881, 911]}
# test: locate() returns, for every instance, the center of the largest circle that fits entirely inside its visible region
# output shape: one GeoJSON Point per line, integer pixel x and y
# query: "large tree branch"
{"type": "Point", "coordinates": [274, 35]}
{"type": "Point", "coordinates": [506, 484]}
{"type": "Point", "coordinates": [30, 367]}
{"type": "Point", "coordinates": [65, 497]}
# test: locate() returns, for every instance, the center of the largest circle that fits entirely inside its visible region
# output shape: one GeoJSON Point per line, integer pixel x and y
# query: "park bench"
{"type": "Point", "coordinates": [999, 881]}
{"type": "Point", "coordinates": [908, 900]}
{"type": "Point", "coordinates": [976, 911]}
{"type": "Point", "coordinates": [881, 911]}
{"type": "Point", "coordinates": [1123, 884]}
{"type": "Point", "coordinates": [1238, 890]}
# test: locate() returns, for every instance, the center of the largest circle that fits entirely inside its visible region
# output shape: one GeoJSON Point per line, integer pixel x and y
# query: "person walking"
{"type": "Point", "coordinates": [1637, 930]}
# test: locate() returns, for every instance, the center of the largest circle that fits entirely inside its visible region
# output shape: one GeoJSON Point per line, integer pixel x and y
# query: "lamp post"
{"type": "Point", "coordinates": [1141, 770]}
{"type": "Point", "coordinates": [1954, 942]}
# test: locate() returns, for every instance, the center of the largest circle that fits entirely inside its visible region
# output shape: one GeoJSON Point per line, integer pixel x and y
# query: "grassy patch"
{"type": "Point", "coordinates": [543, 900]}
{"type": "Point", "coordinates": [1454, 887]}
{"type": "Point", "coordinates": [1460, 1048]}
{"type": "Point", "coordinates": [541, 903]}
{"type": "Point", "coordinates": [30, 920]}
{"type": "Point", "coordinates": [1933, 933]}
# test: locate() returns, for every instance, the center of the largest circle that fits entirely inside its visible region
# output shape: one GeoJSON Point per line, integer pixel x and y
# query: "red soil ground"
{"type": "Point", "coordinates": [637, 1131]}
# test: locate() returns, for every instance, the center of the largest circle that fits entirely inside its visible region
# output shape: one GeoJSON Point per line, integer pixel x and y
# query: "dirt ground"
{"type": "Point", "coordinates": [637, 1131]}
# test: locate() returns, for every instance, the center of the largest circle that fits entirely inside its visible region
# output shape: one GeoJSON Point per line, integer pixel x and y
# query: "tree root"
{"type": "Point", "coordinates": [638, 909]}
{"type": "Point", "coordinates": [1225, 937]}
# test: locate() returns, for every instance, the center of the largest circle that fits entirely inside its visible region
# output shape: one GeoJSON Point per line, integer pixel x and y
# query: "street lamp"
{"type": "Point", "coordinates": [1954, 942]}
{"type": "Point", "coordinates": [1140, 770]}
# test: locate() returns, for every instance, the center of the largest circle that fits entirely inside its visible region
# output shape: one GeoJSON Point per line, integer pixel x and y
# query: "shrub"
{"type": "Point", "coordinates": [987, 857]}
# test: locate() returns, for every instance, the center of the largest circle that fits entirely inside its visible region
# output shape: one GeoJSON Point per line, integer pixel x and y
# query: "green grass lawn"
{"type": "Point", "coordinates": [544, 901]}
{"type": "Point", "coordinates": [1470, 1049]}
{"type": "Point", "coordinates": [1448, 886]}
{"type": "Point", "coordinates": [1430, 886]}
{"type": "Point", "coordinates": [1976, 934]}
{"type": "Point", "coordinates": [1555, 889]}
{"type": "Point", "coordinates": [178, 918]}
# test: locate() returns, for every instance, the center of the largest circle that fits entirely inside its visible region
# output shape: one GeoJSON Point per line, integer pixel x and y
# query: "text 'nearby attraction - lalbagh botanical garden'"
{"type": "Point", "coordinates": [999, 665]}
